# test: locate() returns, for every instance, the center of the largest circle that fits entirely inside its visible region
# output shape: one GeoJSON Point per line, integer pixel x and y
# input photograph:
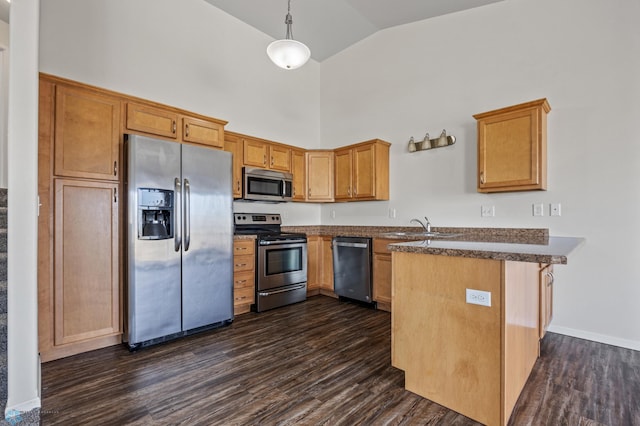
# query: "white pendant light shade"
{"type": "Point", "coordinates": [288, 54]}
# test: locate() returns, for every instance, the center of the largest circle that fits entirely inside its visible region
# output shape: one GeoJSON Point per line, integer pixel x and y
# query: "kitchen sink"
{"type": "Point", "coordinates": [423, 234]}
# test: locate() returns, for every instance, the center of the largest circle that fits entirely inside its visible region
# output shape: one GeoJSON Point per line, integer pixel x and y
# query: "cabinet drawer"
{"type": "Point", "coordinates": [243, 263]}
{"type": "Point", "coordinates": [242, 247]}
{"type": "Point", "coordinates": [243, 295]}
{"type": "Point", "coordinates": [244, 279]}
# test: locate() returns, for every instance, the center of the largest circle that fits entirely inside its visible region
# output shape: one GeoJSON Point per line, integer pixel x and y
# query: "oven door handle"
{"type": "Point", "coordinates": [281, 242]}
{"type": "Point", "coordinates": [284, 290]}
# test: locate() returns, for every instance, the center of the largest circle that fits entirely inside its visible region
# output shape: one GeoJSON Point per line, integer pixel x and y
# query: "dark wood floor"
{"type": "Point", "coordinates": [320, 362]}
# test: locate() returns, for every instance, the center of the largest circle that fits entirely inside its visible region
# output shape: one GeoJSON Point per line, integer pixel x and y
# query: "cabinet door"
{"type": "Point", "coordinates": [255, 153]}
{"type": "Point", "coordinates": [233, 144]}
{"type": "Point", "coordinates": [512, 148]}
{"type": "Point", "coordinates": [364, 158]}
{"type": "Point", "coordinates": [298, 169]}
{"type": "Point", "coordinates": [202, 132]}
{"type": "Point", "coordinates": [86, 278]}
{"type": "Point", "coordinates": [320, 176]}
{"type": "Point", "coordinates": [343, 174]}
{"type": "Point", "coordinates": [314, 264]}
{"type": "Point", "coordinates": [87, 135]}
{"type": "Point", "coordinates": [326, 282]}
{"type": "Point", "coordinates": [280, 158]}
{"type": "Point", "coordinates": [546, 298]}
{"type": "Point", "coordinates": [155, 121]}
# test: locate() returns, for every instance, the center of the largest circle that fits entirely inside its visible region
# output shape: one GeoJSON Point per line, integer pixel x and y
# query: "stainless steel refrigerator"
{"type": "Point", "coordinates": [179, 239]}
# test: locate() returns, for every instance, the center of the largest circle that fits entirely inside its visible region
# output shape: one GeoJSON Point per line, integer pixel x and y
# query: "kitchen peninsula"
{"type": "Point", "coordinates": [471, 352]}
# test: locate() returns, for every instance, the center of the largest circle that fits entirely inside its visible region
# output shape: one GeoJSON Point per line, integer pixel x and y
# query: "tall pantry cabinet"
{"type": "Point", "coordinates": [79, 187]}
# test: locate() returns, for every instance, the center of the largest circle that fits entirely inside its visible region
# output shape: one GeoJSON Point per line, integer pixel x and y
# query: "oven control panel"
{"type": "Point", "coordinates": [257, 219]}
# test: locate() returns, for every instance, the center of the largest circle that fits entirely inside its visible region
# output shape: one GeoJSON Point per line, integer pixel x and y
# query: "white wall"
{"type": "Point", "coordinates": [190, 55]}
{"type": "Point", "coordinates": [4, 99]}
{"type": "Point", "coordinates": [583, 57]}
{"type": "Point", "coordinates": [22, 304]}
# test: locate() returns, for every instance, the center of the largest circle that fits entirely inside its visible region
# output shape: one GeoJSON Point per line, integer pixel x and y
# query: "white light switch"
{"type": "Point", "coordinates": [538, 209]}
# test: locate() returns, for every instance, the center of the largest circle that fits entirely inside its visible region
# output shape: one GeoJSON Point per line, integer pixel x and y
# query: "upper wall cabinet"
{"type": "Point", "coordinates": [266, 155]}
{"type": "Point", "coordinates": [512, 148]}
{"type": "Point", "coordinates": [155, 121]}
{"type": "Point", "coordinates": [362, 171]}
{"type": "Point", "coordinates": [164, 122]}
{"type": "Point", "coordinates": [203, 132]}
{"type": "Point", "coordinates": [87, 134]}
{"type": "Point", "coordinates": [320, 176]}
{"type": "Point", "coordinates": [233, 144]}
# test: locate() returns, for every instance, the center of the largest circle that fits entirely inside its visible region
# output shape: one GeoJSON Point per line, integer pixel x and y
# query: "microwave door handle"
{"type": "Point", "coordinates": [283, 188]}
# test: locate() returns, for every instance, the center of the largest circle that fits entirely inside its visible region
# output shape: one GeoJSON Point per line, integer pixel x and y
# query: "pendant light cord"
{"type": "Point", "coordinates": [289, 21]}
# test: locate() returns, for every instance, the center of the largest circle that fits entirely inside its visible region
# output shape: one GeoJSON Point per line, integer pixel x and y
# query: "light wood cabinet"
{"type": "Point", "coordinates": [319, 176]}
{"type": "Point", "coordinates": [266, 155]}
{"type": "Point", "coordinates": [512, 148]}
{"type": "Point", "coordinates": [362, 171]}
{"type": "Point", "coordinates": [298, 169]}
{"type": "Point", "coordinates": [86, 289]}
{"type": "Point", "coordinates": [243, 275]}
{"type": "Point", "coordinates": [203, 132]}
{"type": "Point", "coordinates": [233, 144]}
{"type": "Point", "coordinates": [319, 266]}
{"type": "Point", "coordinates": [150, 120]}
{"type": "Point", "coordinates": [546, 298]}
{"type": "Point", "coordinates": [87, 134]}
{"type": "Point", "coordinates": [382, 272]}
{"type": "Point", "coordinates": [163, 122]}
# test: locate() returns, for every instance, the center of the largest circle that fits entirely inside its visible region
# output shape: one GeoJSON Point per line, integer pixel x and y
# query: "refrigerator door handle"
{"type": "Point", "coordinates": [187, 214]}
{"type": "Point", "coordinates": [177, 239]}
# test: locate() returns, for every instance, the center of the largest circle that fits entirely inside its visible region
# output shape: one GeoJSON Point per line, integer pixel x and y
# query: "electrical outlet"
{"type": "Point", "coordinates": [487, 211]}
{"type": "Point", "coordinates": [479, 297]}
{"type": "Point", "coordinates": [333, 214]}
{"type": "Point", "coordinates": [538, 209]}
{"type": "Point", "coordinates": [554, 209]}
{"type": "Point", "coordinates": [392, 213]}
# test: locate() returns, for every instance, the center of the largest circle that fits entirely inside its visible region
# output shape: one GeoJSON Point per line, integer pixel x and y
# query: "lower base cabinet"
{"type": "Point", "coordinates": [319, 266]}
{"type": "Point", "coordinates": [243, 276]}
{"type": "Point", "coordinates": [382, 272]}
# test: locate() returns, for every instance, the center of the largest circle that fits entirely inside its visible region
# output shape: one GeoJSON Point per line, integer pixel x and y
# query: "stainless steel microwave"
{"type": "Point", "coordinates": [266, 185]}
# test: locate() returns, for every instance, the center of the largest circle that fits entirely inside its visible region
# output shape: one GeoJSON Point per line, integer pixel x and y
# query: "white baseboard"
{"type": "Point", "coordinates": [600, 338]}
{"type": "Point", "coordinates": [15, 410]}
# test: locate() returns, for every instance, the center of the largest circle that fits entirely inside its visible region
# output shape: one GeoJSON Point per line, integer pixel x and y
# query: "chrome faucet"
{"type": "Point", "coordinates": [426, 225]}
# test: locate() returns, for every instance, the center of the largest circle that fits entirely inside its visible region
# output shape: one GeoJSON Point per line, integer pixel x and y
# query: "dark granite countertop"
{"type": "Point", "coordinates": [515, 244]}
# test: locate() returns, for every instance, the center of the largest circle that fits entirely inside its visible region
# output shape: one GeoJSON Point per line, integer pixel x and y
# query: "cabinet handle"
{"type": "Point", "coordinates": [349, 191]}
{"type": "Point", "coordinates": [272, 160]}
{"type": "Point", "coordinates": [186, 130]}
{"type": "Point", "coordinates": [550, 282]}
{"type": "Point", "coordinates": [238, 186]}
{"type": "Point", "coordinates": [309, 192]}
{"type": "Point", "coordinates": [115, 195]}
{"type": "Point", "coordinates": [173, 127]}
{"type": "Point", "coordinates": [241, 281]}
{"type": "Point", "coordinates": [482, 178]}
{"type": "Point", "coordinates": [240, 248]}
{"type": "Point", "coordinates": [115, 168]}
{"type": "Point", "coordinates": [241, 264]}
{"type": "Point", "coordinates": [264, 160]}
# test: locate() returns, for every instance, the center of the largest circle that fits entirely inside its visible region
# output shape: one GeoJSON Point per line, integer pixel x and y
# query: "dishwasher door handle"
{"type": "Point", "coordinates": [356, 245]}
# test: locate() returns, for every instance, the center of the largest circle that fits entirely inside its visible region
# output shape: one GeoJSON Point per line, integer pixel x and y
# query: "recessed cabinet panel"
{"type": "Point", "coordinates": [320, 176]}
{"type": "Point", "coordinates": [87, 134]}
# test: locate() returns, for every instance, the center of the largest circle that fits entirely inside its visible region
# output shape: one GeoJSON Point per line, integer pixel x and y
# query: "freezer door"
{"type": "Point", "coordinates": [154, 308]}
{"type": "Point", "coordinates": [207, 268]}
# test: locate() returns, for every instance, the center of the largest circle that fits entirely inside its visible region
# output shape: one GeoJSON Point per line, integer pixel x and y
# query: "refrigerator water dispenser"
{"type": "Point", "coordinates": [155, 214]}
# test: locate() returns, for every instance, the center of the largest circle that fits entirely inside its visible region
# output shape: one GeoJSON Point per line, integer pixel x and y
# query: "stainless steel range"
{"type": "Point", "coordinates": [281, 260]}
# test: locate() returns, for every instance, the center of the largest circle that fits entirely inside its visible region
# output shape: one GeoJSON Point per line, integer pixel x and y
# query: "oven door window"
{"type": "Point", "coordinates": [282, 261]}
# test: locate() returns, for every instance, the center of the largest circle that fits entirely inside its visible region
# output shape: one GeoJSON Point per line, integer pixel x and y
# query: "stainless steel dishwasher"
{"type": "Point", "coordinates": [352, 268]}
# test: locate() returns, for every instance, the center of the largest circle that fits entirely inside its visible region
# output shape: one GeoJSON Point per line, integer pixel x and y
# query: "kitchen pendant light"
{"type": "Point", "coordinates": [288, 53]}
